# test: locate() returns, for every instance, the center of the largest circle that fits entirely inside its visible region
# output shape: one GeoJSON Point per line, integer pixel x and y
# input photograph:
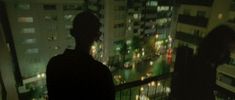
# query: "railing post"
{"type": "Point", "coordinates": [130, 94]}
{"type": "Point", "coordinates": [127, 88]}
{"type": "Point", "coordinates": [120, 95]}
{"type": "Point", "coordinates": [155, 91]}
{"type": "Point", "coordinates": [139, 93]}
{"type": "Point", "coordinates": [147, 91]}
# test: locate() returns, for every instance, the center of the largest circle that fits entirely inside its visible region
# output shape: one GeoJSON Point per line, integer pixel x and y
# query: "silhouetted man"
{"type": "Point", "coordinates": [75, 75]}
{"type": "Point", "coordinates": [197, 80]}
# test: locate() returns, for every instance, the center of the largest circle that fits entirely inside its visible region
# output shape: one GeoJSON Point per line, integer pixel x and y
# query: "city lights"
{"type": "Point", "coordinates": [138, 41]}
{"type": "Point", "coordinates": [142, 78]}
{"type": "Point", "coordinates": [142, 89]}
{"type": "Point", "coordinates": [137, 97]}
{"type": "Point", "coordinates": [138, 55]}
{"type": "Point", "coordinates": [152, 3]}
{"type": "Point", "coordinates": [168, 89]}
{"type": "Point", "coordinates": [129, 20]}
{"type": "Point", "coordinates": [220, 16]}
{"type": "Point", "coordinates": [38, 76]}
{"type": "Point", "coordinates": [42, 75]}
{"type": "Point", "coordinates": [151, 63]}
{"type": "Point", "coordinates": [153, 83]}
{"type": "Point", "coordinates": [135, 16]}
{"type": "Point", "coordinates": [143, 53]}
{"type": "Point", "coordinates": [156, 36]}
{"type": "Point", "coordinates": [158, 84]}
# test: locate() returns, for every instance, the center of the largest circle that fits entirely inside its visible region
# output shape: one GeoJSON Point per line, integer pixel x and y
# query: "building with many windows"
{"type": "Point", "coordinates": [40, 29]}
{"type": "Point", "coordinates": [197, 18]}
{"type": "Point", "coordinates": [115, 13]}
{"type": "Point", "coordinates": [128, 18]}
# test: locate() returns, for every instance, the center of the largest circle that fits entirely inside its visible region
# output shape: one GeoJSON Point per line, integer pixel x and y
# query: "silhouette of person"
{"type": "Point", "coordinates": [75, 75]}
{"type": "Point", "coordinates": [198, 80]}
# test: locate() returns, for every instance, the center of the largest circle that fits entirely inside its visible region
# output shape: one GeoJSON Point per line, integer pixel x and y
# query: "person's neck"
{"type": "Point", "coordinates": [82, 49]}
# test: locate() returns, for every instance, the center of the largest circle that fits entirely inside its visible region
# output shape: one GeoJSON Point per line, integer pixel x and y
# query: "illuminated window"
{"type": "Point", "coordinates": [161, 21]}
{"type": "Point", "coordinates": [49, 7]}
{"type": "Point", "coordinates": [68, 26]}
{"type": "Point", "coordinates": [25, 19]}
{"type": "Point", "coordinates": [93, 7]}
{"type": "Point", "coordinates": [152, 3]}
{"type": "Point", "coordinates": [163, 8]}
{"type": "Point", "coordinates": [56, 47]}
{"type": "Point", "coordinates": [136, 16]}
{"type": "Point", "coordinates": [23, 6]}
{"type": "Point", "coordinates": [129, 20]}
{"type": "Point", "coordinates": [171, 8]}
{"type": "Point", "coordinates": [28, 30]}
{"type": "Point", "coordinates": [52, 38]}
{"type": "Point", "coordinates": [50, 17]}
{"type": "Point", "coordinates": [72, 7]}
{"type": "Point", "coordinates": [129, 28]}
{"type": "Point", "coordinates": [30, 41]}
{"type": "Point", "coordinates": [69, 17]}
{"type": "Point", "coordinates": [220, 16]}
{"type": "Point", "coordinates": [32, 51]}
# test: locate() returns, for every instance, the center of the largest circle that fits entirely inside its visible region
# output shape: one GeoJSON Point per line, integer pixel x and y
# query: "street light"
{"type": "Point", "coordinates": [151, 63]}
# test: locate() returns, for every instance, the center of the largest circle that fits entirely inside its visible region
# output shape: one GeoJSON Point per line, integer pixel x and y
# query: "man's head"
{"type": "Point", "coordinates": [86, 27]}
{"type": "Point", "coordinates": [217, 45]}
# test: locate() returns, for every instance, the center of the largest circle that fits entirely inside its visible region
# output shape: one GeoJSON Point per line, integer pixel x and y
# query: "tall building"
{"type": "Point", "coordinates": [151, 20]}
{"type": "Point", "coordinates": [115, 13]}
{"type": "Point", "coordinates": [197, 18]}
{"type": "Point", "coordinates": [128, 18]}
{"type": "Point", "coordinates": [149, 17]}
{"type": "Point", "coordinates": [40, 30]}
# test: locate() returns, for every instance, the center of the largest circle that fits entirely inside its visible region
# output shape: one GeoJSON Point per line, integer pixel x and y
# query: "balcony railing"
{"type": "Point", "coordinates": [153, 88]}
{"type": "Point", "coordinates": [194, 39]}
{"type": "Point", "coordinates": [157, 88]}
{"type": "Point", "coordinates": [223, 94]}
{"type": "Point", "coordinates": [193, 20]}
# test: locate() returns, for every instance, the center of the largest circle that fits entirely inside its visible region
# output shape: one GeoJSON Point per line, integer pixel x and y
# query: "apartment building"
{"type": "Point", "coordinates": [197, 18]}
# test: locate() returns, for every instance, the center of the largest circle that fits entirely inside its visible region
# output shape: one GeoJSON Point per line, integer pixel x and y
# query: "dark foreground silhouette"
{"type": "Point", "coordinates": [194, 77]}
{"type": "Point", "coordinates": [75, 75]}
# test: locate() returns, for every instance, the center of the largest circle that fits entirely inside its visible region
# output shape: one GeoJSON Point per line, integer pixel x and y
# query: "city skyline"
{"type": "Point", "coordinates": [133, 32]}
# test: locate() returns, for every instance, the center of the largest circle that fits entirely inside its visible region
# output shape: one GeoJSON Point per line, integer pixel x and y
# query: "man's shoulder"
{"type": "Point", "coordinates": [66, 55]}
{"type": "Point", "coordinates": [103, 67]}
{"type": "Point", "coordinates": [57, 58]}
